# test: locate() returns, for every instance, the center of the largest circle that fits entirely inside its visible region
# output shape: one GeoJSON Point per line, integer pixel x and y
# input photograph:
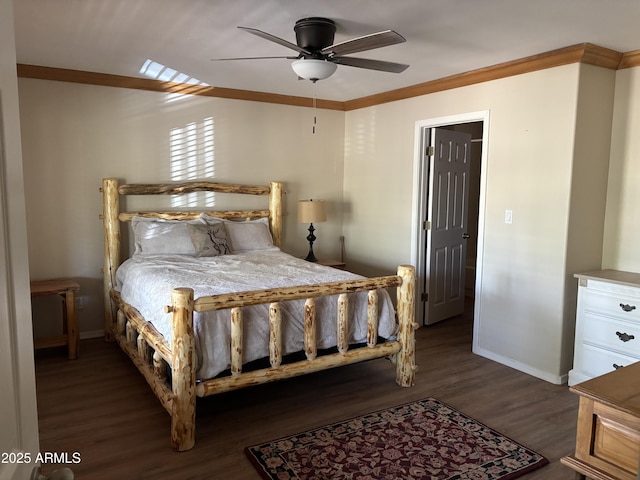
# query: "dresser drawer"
{"type": "Point", "coordinates": [607, 331]}
{"type": "Point", "coordinates": [612, 333]}
{"type": "Point", "coordinates": [611, 304]}
{"type": "Point", "coordinates": [597, 361]}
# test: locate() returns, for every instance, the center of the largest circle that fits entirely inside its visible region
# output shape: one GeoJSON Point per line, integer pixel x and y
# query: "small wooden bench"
{"type": "Point", "coordinates": [66, 288]}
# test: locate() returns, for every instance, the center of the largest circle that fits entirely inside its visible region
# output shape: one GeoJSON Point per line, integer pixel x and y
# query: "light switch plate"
{"type": "Point", "coordinates": [508, 216]}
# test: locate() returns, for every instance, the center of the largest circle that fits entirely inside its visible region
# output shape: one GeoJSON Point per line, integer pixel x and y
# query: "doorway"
{"type": "Point", "coordinates": [428, 271]}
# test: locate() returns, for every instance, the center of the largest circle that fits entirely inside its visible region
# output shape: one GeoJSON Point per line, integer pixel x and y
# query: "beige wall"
{"type": "Point", "coordinates": [588, 189]}
{"type": "Point", "coordinates": [532, 135]}
{"type": "Point", "coordinates": [74, 135]}
{"type": "Point", "coordinates": [362, 163]}
{"type": "Point", "coordinates": [622, 227]}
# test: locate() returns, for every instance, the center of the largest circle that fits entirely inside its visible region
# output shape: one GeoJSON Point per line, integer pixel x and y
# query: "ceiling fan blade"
{"type": "Point", "coordinates": [366, 42]}
{"type": "Point", "coordinates": [249, 58]}
{"type": "Point", "coordinates": [371, 64]}
{"type": "Point", "coordinates": [273, 38]}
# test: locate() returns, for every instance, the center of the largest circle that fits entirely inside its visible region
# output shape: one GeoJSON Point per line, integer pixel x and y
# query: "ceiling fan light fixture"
{"type": "Point", "coordinates": [313, 69]}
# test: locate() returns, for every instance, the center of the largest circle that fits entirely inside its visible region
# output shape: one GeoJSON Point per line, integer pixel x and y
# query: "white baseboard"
{"type": "Point", "coordinates": [92, 334]}
{"type": "Point", "coordinates": [528, 369]}
{"type": "Point", "coordinates": [577, 377]}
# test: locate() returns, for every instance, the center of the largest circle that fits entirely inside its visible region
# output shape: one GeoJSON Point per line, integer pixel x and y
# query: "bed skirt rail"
{"type": "Point", "coordinates": [155, 340]}
{"type": "Point", "coordinates": [266, 375]}
{"type": "Point", "coordinates": [138, 351]}
{"type": "Point", "coordinates": [145, 346]}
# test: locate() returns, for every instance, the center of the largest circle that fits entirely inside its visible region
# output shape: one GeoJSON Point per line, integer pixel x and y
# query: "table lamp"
{"type": "Point", "coordinates": [311, 211]}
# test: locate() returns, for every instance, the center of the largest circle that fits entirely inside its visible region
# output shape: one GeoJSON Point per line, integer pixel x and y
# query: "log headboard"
{"type": "Point", "coordinates": [112, 216]}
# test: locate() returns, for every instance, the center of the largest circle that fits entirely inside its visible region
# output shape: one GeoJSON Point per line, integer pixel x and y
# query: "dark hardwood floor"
{"type": "Point", "coordinates": [101, 407]}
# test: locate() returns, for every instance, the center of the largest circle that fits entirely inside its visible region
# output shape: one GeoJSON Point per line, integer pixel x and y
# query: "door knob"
{"type": "Point", "coordinates": [466, 235]}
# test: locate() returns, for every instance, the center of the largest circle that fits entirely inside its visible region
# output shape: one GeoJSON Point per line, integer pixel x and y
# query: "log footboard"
{"type": "Point", "coordinates": [150, 352]}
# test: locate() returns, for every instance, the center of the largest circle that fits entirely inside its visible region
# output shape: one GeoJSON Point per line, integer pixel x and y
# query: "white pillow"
{"type": "Point", "coordinates": [157, 236]}
{"type": "Point", "coordinates": [249, 235]}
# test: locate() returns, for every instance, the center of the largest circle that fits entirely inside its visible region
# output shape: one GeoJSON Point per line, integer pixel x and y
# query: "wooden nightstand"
{"type": "Point", "coordinates": [608, 429]}
{"type": "Point", "coordinates": [333, 263]}
{"type": "Point", "coordinates": [66, 288]}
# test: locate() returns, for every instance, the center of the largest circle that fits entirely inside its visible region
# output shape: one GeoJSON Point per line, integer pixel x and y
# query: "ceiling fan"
{"type": "Point", "coordinates": [318, 57]}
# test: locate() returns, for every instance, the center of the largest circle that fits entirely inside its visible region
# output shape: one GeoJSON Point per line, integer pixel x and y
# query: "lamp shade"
{"type": "Point", "coordinates": [312, 69]}
{"type": "Point", "coordinates": [311, 211]}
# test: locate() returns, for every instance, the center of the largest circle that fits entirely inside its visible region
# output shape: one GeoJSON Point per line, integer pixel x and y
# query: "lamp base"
{"type": "Point", "coordinates": [311, 257]}
{"type": "Point", "coordinates": [311, 238]}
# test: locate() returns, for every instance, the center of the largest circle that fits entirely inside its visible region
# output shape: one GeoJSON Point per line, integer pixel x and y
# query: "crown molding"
{"type": "Point", "coordinates": [630, 59]}
{"type": "Point", "coordinates": [581, 53]}
{"type": "Point", "coordinates": [585, 53]}
{"type": "Point", "coordinates": [121, 81]}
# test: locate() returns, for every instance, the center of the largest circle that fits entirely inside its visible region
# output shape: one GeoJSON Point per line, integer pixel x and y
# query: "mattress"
{"type": "Point", "coordinates": [146, 281]}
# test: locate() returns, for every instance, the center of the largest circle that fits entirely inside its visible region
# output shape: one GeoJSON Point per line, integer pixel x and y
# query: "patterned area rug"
{"type": "Point", "coordinates": [420, 440]}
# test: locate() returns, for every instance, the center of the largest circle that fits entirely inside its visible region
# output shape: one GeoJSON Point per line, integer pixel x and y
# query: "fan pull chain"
{"type": "Point", "coordinates": [315, 120]}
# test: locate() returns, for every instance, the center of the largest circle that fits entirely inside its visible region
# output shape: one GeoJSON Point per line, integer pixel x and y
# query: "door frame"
{"type": "Point", "coordinates": [420, 197]}
{"type": "Point", "coordinates": [19, 416]}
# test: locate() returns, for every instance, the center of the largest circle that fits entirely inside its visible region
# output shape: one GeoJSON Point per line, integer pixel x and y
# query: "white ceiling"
{"type": "Point", "coordinates": [444, 37]}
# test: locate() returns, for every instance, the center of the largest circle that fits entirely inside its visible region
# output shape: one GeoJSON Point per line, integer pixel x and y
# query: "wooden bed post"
{"type": "Point", "coordinates": [183, 380]}
{"type": "Point", "coordinates": [406, 357]}
{"type": "Point", "coordinates": [110, 212]}
{"type": "Point", "coordinates": [275, 209]}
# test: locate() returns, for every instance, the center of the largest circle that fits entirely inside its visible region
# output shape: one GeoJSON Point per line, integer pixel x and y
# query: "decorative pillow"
{"type": "Point", "coordinates": [211, 220]}
{"type": "Point", "coordinates": [157, 236]}
{"type": "Point", "coordinates": [249, 235]}
{"type": "Point", "coordinates": [209, 240]}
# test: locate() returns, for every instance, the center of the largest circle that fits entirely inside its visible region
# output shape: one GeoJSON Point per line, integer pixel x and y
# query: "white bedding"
{"type": "Point", "coordinates": [146, 281]}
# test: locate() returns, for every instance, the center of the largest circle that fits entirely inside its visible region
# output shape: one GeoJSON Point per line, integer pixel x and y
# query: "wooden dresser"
{"type": "Point", "coordinates": [607, 334]}
{"type": "Point", "coordinates": [608, 429]}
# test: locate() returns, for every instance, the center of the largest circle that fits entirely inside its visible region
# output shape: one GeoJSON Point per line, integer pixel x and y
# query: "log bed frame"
{"type": "Point", "coordinates": [151, 352]}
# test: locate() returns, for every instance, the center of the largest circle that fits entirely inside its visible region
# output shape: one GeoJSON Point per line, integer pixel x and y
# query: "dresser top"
{"type": "Point", "coordinates": [620, 389]}
{"type": "Point", "coordinates": [614, 276]}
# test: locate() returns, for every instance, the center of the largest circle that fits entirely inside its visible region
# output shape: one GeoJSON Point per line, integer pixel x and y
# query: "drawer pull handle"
{"type": "Point", "coordinates": [625, 337]}
{"type": "Point", "coordinates": [627, 307]}
{"type": "Point", "coordinates": [616, 366]}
